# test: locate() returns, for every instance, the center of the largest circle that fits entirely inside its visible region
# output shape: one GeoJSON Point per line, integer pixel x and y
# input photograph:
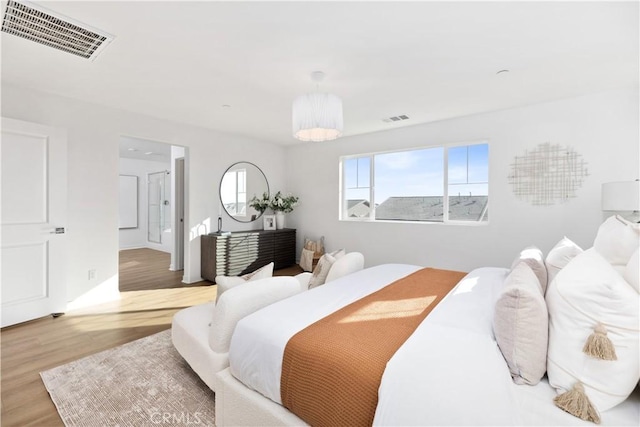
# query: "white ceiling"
{"type": "Point", "coordinates": [183, 61]}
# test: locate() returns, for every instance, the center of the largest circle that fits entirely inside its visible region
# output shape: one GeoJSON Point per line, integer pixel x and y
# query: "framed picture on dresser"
{"type": "Point", "coordinates": [269, 222]}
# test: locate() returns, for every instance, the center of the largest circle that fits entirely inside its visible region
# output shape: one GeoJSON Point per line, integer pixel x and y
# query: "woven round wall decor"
{"type": "Point", "coordinates": [548, 174]}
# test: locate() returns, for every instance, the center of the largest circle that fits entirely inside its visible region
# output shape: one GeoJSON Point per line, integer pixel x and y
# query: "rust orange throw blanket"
{"type": "Point", "coordinates": [331, 370]}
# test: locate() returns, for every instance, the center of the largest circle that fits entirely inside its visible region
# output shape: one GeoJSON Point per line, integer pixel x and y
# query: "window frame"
{"type": "Point", "coordinates": [236, 193]}
{"type": "Point", "coordinates": [343, 207]}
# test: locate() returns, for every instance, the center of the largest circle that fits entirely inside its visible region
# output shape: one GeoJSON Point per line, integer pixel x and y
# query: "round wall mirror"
{"type": "Point", "coordinates": [240, 183]}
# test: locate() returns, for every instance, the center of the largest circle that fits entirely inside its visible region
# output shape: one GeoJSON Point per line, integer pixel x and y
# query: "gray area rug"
{"type": "Point", "coordinates": [142, 383]}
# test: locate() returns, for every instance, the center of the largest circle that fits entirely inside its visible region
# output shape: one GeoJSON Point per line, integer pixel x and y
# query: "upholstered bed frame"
{"type": "Point", "coordinates": [237, 405]}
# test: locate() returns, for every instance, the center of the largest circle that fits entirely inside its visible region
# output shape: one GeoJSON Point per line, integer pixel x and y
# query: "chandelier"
{"type": "Point", "coordinates": [317, 116]}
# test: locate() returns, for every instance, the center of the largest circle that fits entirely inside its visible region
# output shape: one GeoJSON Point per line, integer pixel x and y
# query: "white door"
{"type": "Point", "coordinates": [33, 176]}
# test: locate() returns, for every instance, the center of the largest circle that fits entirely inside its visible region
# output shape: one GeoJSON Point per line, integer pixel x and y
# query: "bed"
{"type": "Point", "coordinates": [450, 371]}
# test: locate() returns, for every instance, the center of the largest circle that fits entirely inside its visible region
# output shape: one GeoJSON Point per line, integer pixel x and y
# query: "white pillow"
{"type": "Point", "coordinates": [632, 271]}
{"type": "Point", "coordinates": [559, 256]}
{"type": "Point", "coordinates": [347, 264]}
{"type": "Point", "coordinates": [520, 324]}
{"type": "Point", "coordinates": [227, 282]}
{"type": "Point", "coordinates": [617, 240]}
{"type": "Point", "coordinates": [321, 271]}
{"type": "Point", "coordinates": [242, 301]}
{"type": "Point", "coordinates": [587, 293]}
{"type": "Point", "coordinates": [532, 256]}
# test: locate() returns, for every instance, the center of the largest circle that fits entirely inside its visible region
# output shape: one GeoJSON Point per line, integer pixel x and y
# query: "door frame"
{"type": "Point", "coordinates": [177, 255]}
{"type": "Point", "coordinates": [183, 242]}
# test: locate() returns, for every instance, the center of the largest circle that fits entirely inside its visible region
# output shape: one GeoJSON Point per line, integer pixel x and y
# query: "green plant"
{"type": "Point", "coordinates": [281, 203]}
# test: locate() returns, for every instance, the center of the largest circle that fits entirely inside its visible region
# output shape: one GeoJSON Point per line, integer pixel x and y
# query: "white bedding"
{"type": "Point", "coordinates": [257, 345]}
{"type": "Point", "coordinates": [449, 372]}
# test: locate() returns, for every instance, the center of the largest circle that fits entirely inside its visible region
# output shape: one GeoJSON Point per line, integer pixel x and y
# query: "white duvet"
{"type": "Point", "coordinates": [449, 372]}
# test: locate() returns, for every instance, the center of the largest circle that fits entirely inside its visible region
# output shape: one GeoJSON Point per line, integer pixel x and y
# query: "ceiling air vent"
{"type": "Point", "coordinates": [41, 26]}
{"type": "Point", "coordinates": [395, 119]}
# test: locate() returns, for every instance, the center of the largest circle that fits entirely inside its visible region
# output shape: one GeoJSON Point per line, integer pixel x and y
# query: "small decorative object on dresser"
{"type": "Point", "coordinates": [281, 205]}
{"type": "Point", "coordinates": [269, 222]}
{"type": "Point", "coordinates": [279, 220]}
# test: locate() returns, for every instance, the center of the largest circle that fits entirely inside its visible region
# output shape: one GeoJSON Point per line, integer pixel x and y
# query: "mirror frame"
{"type": "Point", "coordinates": [220, 191]}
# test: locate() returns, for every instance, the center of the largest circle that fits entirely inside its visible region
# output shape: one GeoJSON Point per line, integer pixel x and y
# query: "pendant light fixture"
{"type": "Point", "coordinates": [317, 116]}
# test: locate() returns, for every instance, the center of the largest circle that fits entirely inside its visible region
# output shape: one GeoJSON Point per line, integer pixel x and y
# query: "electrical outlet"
{"type": "Point", "coordinates": [92, 274]}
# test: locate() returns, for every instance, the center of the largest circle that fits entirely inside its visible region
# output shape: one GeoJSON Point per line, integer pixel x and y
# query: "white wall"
{"type": "Point", "coordinates": [93, 140]}
{"type": "Point", "coordinates": [137, 237]}
{"type": "Point", "coordinates": [602, 127]}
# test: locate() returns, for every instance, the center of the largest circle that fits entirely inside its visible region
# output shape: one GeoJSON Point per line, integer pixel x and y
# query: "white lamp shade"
{"type": "Point", "coordinates": [317, 117]}
{"type": "Point", "coordinates": [621, 196]}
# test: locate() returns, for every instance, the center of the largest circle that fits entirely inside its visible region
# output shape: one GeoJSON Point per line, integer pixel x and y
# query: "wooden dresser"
{"type": "Point", "coordinates": [245, 251]}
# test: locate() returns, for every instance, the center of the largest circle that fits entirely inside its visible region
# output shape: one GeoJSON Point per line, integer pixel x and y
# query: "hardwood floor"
{"type": "Point", "coordinates": [42, 344]}
{"type": "Point", "coordinates": [145, 269]}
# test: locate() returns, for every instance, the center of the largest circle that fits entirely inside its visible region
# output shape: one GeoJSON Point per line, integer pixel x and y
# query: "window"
{"type": "Point", "coordinates": [357, 175]}
{"type": "Point", "coordinates": [435, 184]}
{"type": "Point", "coordinates": [468, 172]}
{"type": "Point", "coordinates": [233, 192]}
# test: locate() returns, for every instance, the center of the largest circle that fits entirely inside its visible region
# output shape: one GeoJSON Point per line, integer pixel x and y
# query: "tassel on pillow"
{"type": "Point", "coordinates": [576, 402]}
{"type": "Point", "coordinates": [599, 345]}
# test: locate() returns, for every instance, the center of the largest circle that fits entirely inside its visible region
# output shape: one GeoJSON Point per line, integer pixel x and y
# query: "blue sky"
{"type": "Point", "coordinates": [420, 173]}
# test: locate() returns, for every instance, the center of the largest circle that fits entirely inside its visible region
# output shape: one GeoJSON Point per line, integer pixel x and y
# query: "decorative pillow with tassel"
{"type": "Point", "coordinates": [593, 360]}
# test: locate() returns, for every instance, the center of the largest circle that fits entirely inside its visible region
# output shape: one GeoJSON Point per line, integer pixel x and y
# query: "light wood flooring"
{"type": "Point", "coordinates": [32, 347]}
{"type": "Point", "coordinates": [42, 344]}
{"type": "Point", "coordinates": [145, 269]}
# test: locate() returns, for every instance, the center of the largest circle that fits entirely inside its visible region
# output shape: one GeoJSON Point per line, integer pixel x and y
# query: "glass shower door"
{"type": "Point", "coordinates": [159, 215]}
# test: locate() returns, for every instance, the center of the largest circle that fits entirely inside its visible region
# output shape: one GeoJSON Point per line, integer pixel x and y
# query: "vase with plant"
{"type": "Point", "coordinates": [282, 204]}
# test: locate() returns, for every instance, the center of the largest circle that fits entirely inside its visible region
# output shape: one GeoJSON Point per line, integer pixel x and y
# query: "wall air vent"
{"type": "Point", "coordinates": [41, 26]}
{"type": "Point", "coordinates": [395, 118]}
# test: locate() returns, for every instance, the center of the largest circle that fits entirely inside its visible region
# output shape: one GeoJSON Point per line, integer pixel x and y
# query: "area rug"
{"type": "Point", "coordinates": [142, 383]}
